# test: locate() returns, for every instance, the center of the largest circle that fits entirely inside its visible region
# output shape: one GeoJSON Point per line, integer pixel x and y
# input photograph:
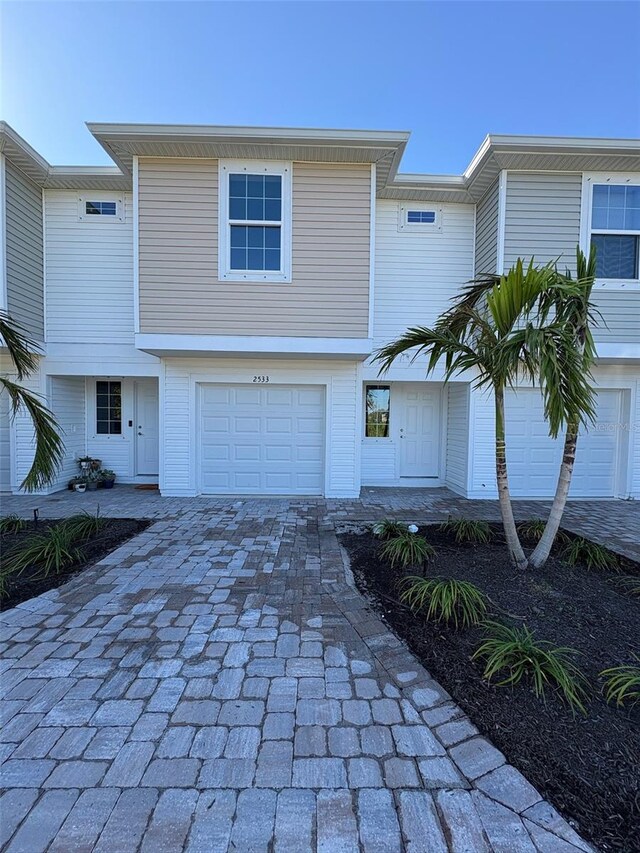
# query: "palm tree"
{"type": "Point", "coordinates": [576, 311]}
{"type": "Point", "coordinates": [496, 330]}
{"type": "Point", "coordinates": [49, 447]}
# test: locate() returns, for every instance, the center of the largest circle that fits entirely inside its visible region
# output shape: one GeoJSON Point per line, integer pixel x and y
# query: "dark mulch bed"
{"type": "Point", "coordinates": [30, 582]}
{"type": "Point", "coordinates": [588, 767]}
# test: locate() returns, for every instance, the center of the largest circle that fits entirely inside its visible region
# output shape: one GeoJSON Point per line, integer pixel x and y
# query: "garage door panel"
{"type": "Point", "coordinates": [534, 458]}
{"type": "Point", "coordinates": [269, 441]}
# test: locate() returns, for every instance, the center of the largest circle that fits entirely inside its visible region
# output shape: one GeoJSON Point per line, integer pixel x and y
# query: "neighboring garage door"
{"type": "Point", "coordinates": [5, 450]}
{"type": "Point", "coordinates": [534, 458]}
{"type": "Point", "coordinates": [262, 440]}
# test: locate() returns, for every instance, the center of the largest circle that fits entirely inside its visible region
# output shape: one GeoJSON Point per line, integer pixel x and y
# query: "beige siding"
{"type": "Point", "coordinates": [179, 289]}
{"type": "Point", "coordinates": [487, 232]}
{"type": "Point", "coordinates": [24, 251]}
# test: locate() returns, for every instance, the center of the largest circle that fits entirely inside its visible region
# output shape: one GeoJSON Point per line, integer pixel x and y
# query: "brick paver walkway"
{"type": "Point", "coordinates": [215, 684]}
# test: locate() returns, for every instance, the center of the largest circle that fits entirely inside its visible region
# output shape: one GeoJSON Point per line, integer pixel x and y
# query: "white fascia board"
{"type": "Point", "coordinates": [168, 345]}
{"type": "Point", "coordinates": [4, 300]}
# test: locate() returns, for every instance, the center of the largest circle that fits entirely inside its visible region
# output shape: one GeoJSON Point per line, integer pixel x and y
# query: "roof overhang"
{"type": "Point", "coordinates": [166, 345]}
{"type": "Point", "coordinates": [36, 168]}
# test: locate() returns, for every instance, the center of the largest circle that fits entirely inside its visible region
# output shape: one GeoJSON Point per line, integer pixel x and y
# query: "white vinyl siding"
{"type": "Point", "coordinates": [457, 437]}
{"type": "Point", "coordinates": [179, 390]}
{"type": "Point", "coordinates": [486, 260]}
{"type": "Point", "coordinates": [180, 292]}
{"type": "Point", "coordinates": [68, 406]}
{"type": "Point", "coordinates": [620, 310]}
{"type": "Point", "coordinates": [24, 251]}
{"type": "Point", "coordinates": [89, 273]}
{"type": "Point", "coordinates": [542, 217]}
{"type": "Point", "coordinates": [379, 463]}
{"type": "Point", "coordinates": [5, 444]}
{"type": "Point", "coordinates": [417, 273]}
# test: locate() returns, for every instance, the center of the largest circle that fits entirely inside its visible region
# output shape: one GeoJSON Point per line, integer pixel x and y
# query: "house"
{"type": "Point", "coordinates": [207, 307]}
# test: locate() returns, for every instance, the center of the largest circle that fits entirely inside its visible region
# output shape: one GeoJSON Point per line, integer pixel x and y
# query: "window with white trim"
{"type": "Point", "coordinates": [615, 230]}
{"type": "Point", "coordinates": [108, 407]}
{"type": "Point", "coordinates": [419, 218]}
{"type": "Point", "coordinates": [255, 221]}
{"type": "Point", "coordinates": [96, 208]}
{"type": "Point", "coordinates": [377, 410]}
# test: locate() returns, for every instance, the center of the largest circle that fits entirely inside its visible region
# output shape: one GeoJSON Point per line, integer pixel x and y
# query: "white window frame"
{"type": "Point", "coordinates": [253, 167]}
{"type": "Point", "coordinates": [429, 227]}
{"type": "Point", "coordinates": [101, 196]}
{"type": "Point", "coordinates": [374, 384]}
{"type": "Point", "coordinates": [589, 180]}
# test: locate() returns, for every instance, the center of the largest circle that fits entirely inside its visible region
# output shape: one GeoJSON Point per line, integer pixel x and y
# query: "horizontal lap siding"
{"type": "Point", "coordinates": [89, 267]}
{"type": "Point", "coordinates": [68, 406]}
{"type": "Point", "coordinates": [418, 272]}
{"type": "Point", "coordinates": [457, 437]}
{"type": "Point", "coordinates": [24, 251]}
{"type": "Point", "coordinates": [620, 310]}
{"type": "Point", "coordinates": [179, 288]}
{"type": "Point", "coordinates": [179, 392]}
{"type": "Point", "coordinates": [487, 232]}
{"type": "Point", "coordinates": [542, 217]}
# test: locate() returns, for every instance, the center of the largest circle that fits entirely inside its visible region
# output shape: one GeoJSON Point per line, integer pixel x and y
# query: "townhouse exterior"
{"type": "Point", "coordinates": [208, 307]}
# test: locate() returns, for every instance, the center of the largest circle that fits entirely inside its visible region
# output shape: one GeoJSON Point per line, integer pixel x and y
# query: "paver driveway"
{"type": "Point", "coordinates": [216, 684]}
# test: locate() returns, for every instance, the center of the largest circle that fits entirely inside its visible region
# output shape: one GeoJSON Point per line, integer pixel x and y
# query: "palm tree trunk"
{"type": "Point", "coordinates": [516, 553]}
{"type": "Point", "coordinates": [543, 548]}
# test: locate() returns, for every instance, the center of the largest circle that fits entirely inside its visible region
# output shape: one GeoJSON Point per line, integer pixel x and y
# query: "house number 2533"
{"type": "Point", "coordinates": [261, 379]}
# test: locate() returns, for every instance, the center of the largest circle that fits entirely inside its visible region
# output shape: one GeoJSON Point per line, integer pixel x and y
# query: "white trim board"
{"type": "Point", "coordinates": [195, 345]}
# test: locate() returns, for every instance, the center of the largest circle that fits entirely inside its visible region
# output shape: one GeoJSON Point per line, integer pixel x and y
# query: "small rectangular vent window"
{"type": "Point", "coordinates": [421, 217]}
{"type": "Point", "coordinates": [101, 208]}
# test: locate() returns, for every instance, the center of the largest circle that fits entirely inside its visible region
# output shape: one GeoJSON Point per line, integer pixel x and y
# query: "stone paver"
{"type": "Point", "coordinates": [216, 684]}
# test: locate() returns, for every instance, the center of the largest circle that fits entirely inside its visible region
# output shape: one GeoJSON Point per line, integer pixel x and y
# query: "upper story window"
{"type": "Point", "coordinates": [615, 230]}
{"type": "Point", "coordinates": [377, 403]}
{"type": "Point", "coordinates": [108, 407]}
{"type": "Point", "coordinates": [255, 221]}
{"type": "Point", "coordinates": [98, 208]}
{"type": "Point", "coordinates": [419, 218]}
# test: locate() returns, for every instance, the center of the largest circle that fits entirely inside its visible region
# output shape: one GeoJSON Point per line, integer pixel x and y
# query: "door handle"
{"type": "Point", "coordinates": [139, 433]}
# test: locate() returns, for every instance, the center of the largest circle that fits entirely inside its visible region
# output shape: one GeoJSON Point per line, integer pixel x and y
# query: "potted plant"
{"type": "Point", "coordinates": [95, 465]}
{"type": "Point", "coordinates": [80, 486]}
{"type": "Point", "coordinates": [107, 478]}
{"type": "Point", "coordinates": [92, 481]}
{"type": "Point", "coordinates": [72, 483]}
{"type": "Point", "coordinates": [84, 462]}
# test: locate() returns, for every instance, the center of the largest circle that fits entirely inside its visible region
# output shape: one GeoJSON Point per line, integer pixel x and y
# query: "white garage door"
{"type": "Point", "coordinates": [262, 440]}
{"type": "Point", "coordinates": [5, 453]}
{"type": "Point", "coordinates": [534, 458]}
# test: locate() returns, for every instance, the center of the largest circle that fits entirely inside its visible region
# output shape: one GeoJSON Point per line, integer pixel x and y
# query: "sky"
{"type": "Point", "coordinates": [450, 72]}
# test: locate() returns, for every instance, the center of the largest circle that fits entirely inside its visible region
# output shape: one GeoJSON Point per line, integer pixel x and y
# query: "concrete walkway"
{"type": "Point", "coordinates": [215, 684]}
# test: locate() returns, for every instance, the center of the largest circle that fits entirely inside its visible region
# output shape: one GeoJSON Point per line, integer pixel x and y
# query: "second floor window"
{"type": "Point", "coordinates": [254, 222]}
{"type": "Point", "coordinates": [615, 230]}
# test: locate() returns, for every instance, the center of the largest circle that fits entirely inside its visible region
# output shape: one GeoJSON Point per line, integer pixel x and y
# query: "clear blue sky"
{"type": "Point", "coordinates": [449, 72]}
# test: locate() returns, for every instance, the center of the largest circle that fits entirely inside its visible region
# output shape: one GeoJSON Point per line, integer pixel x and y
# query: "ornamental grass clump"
{"type": "Point", "coordinates": [11, 524]}
{"type": "Point", "coordinates": [84, 525]}
{"type": "Point", "coordinates": [407, 549]}
{"type": "Point", "coordinates": [622, 683]}
{"type": "Point", "coordinates": [387, 528]}
{"type": "Point", "coordinates": [47, 552]}
{"type": "Point", "coordinates": [467, 530]}
{"type": "Point", "coordinates": [519, 655]}
{"type": "Point", "coordinates": [445, 600]}
{"type": "Point", "coordinates": [590, 554]}
{"type": "Point", "coordinates": [627, 583]}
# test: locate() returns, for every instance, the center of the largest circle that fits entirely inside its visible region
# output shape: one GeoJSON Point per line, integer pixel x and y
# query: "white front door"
{"type": "Point", "coordinates": [418, 410]}
{"type": "Point", "coordinates": [147, 433]}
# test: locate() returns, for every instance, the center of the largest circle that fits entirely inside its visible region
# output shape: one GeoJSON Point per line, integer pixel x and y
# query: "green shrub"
{"type": "Point", "coordinates": [628, 583]}
{"type": "Point", "coordinates": [12, 524]}
{"type": "Point", "coordinates": [467, 530]}
{"type": "Point", "coordinates": [591, 554]}
{"type": "Point", "coordinates": [622, 683]}
{"type": "Point", "coordinates": [446, 600]}
{"type": "Point", "coordinates": [49, 552]}
{"type": "Point", "coordinates": [407, 549]}
{"type": "Point", "coordinates": [532, 529]}
{"type": "Point", "coordinates": [387, 528]}
{"type": "Point", "coordinates": [84, 525]}
{"type": "Point", "coordinates": [516, 652]}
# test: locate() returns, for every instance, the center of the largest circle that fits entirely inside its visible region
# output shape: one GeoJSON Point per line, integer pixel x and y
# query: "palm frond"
{"type": "Point", "coordinates": [22, 350]}
{"type": "Point", "coordinates": [49, 446]}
